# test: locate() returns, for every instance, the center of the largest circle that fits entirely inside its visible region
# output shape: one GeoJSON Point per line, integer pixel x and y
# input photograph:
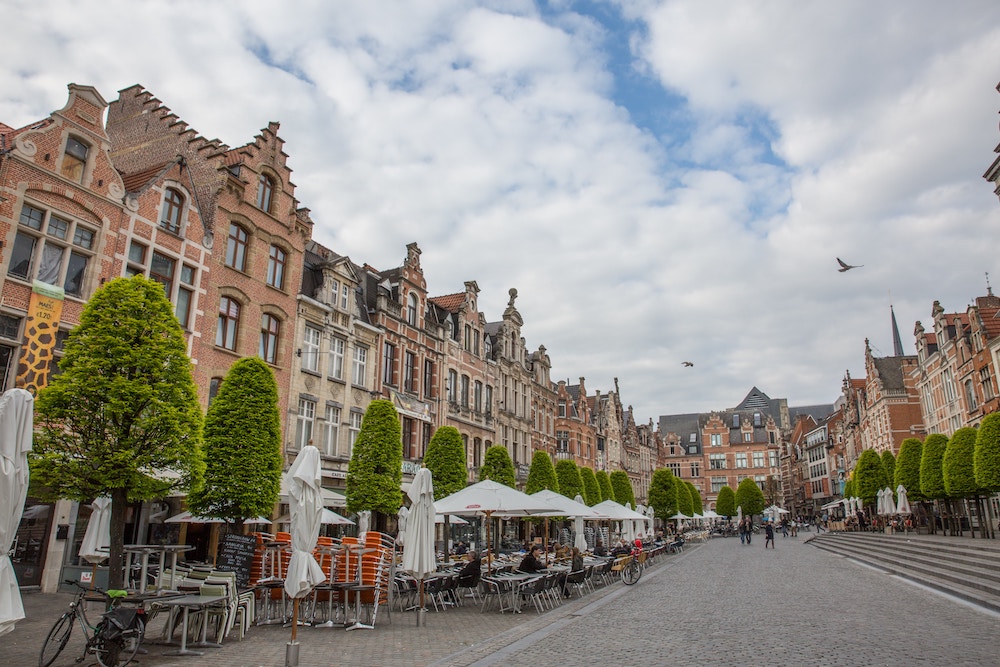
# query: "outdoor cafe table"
{"type": "Point", "coordinates": [144, 551]}
{"type": "Point", "coordinates": [197, 603]}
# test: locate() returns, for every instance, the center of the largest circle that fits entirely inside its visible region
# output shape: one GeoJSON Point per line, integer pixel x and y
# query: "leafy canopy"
{"type": "Point", "coordinates": [242, 446]}
{"type": "Point", "coordinates": [869, 476]}
{"type": "Point", "coordinates": [725, 502]}
{"type": "Point", "coordinates": [986, 460]}
{"type": "Point", "coordinates": [498, 467]}
{"type": "Point", "coordinates": [604, 482]}
{"type": "Point", "coordinates": [591, 491]}
{"type": "Point", "coordinates": [663, 493]}
{"type": "Point", "coordinates": [908, 468]}
{"type": "Point", "coordinates": [375, 472]}
{"type": "Point", "coordinates": [622, 488]}
{"type": "Point", "coordinates": [445, 458]}
{"type": "Point", "coordinates": [931, 466]}
{"type": "Point", "coordinates": [542, 474]}
{"type": "Point", "coordinates": [957, 467]}
{"type": "Point", "coordinates": [570, 484]}
{"type": "Point", "coordinates": [684, 504]}
{"type": "Point", "coordinates": [749, 497]}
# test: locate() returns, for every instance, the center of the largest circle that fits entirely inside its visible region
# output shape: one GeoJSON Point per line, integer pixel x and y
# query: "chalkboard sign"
{"type": "Point", "coordinates": [236, 555]}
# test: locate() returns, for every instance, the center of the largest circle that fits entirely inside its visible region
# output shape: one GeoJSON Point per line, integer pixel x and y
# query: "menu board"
{"type": "Point", "coordinates": [236, 555]}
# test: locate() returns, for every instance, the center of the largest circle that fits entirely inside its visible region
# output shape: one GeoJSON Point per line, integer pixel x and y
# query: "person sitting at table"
{"type": "Point", "coordinates": [461, 549]}
{"type": "Point", "coordinates": [600, 549]}
{"type": "Point", "coordinates": [530, 562]}
{"type": "Point", "coordinates": [575, 566]}
{"type": "Point", "coordinates": [621, 549]}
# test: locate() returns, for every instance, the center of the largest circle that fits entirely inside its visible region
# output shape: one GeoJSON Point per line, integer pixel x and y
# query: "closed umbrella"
{"type": "Point", "coordinates": [16, 416]}
{"type": "Point", "coordinates": [889, 505]}
{"type": "Point", "coordinates": [418, 550]}
{"type": "Point", "coordinates": [305, 500]}
{"type": "Point", "coordinates": [580, 541]}
{"type": "Point", "coordinates": [401, 517]}
{"type": "Point", "coordinates": [903, 503]}
{"type": "Point", "coordinates": [364, 520]}
{"type": "Point", "coordinates": [97, 538]}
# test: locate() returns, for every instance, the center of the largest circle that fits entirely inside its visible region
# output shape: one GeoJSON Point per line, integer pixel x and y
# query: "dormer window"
{"type": "Point", "coordinates": [411, 309]}
{"type": "Point", "coordinates": [75, 159]}
{"type": "Point", "coordinates": [173, 206]}
{"type": "Point", "coordinates": [265, 192]}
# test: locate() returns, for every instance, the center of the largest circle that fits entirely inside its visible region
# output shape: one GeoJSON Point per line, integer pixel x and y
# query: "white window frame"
{"type": "Point", "coordinates": [304, 418]}
{"type": "Point", "coordinates": [359, 367]}
{"type": "Point", "coordinates": [337, 347]}
{"type": "Point", "coordinates": [311, 337]}
{"type": "Point", "coordinates": [331, 430]}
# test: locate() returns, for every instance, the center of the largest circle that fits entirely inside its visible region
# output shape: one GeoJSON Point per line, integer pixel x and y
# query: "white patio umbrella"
{"type": "Point", "coordinates": [401, 516]}
{"type": "Point", "coordinates": [489, 499]}
{"type": "Point", "coordinates": [305, 500]}
{"type": "Point", "coordinates": [628, 526]}
{"type": "Point", "coordinates": [16, 416]}
{"type": "Point", "coordinates": [902, 503]}
{"type": "Point", "coordinates": [330, 498]}
{"type": "Point", "coordinates": [327, 518]}
{"type": "Point", "coordinates": [889, 504]}
{"type": "Point", "coordinates": [97, 538]}
{"type": "Point", "coordinates": [364, 520]}
{"type": "Point", "coordinates": [580, 541]}
{"type": "Point", "coordinates": [419, 558]}
{"type": "Point", "coordinates": [880, 502]}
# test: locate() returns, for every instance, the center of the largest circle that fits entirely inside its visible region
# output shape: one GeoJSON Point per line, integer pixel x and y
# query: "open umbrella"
{"type": "Point", "coordinates": [327, 518]}
{"type": "Point", "coordinates": [419, 558]}
{"type": "Point", "coordinates": [305, 500]}
{"type": "Point", "coordinates": [903, 503]}
{"type": "Point", "coordinates": [16, 415]}
{"type": "Point", "coordinates": [97, 538]}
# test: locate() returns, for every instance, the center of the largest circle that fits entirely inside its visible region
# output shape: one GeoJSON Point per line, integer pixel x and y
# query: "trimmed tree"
{"type": "Point", "coordinates": [749, 497]}
{"type": "Point", "coordinates": [907, 471]}
{"type": "Point", "coordinates": [663, 493]}
{"type": "Point", "coordinates": [376, 468]}
{"type": "Point", "coordinates": [889, 469]}
{"type": "Point", "coordinates": [498, 467]}
{"type": "Point", "coordinates": [621, 487]}
{"type": "Point", "coordinates": [445, 458]}
{"type": "Point", "coordinates": [603, 481]}
{"type": "Point", "coordinates": [725, 502]}
{"type": "Point", "coordinates": [958, 469]}
{"type": "Point", "coordinates": [696, 503]}
{"type": "Point", "coordinates": [986, 459]}
{"type": "Point", "coordinates": [591, 491]}
{"type": "Point", "coordinates": [869, 476]}
{"type": "Point", "coordinates": [684, 504]}
{"type": "Point", "coordinates": [570, 483]}
{"type": "Point", "coordinates": [242, 445]}
{"type": "Point", "coordinates": [932, 469]}
{"type": "Point", "coordinates": [542, 474]}
{"type": "Point", "coordinates": [124, 408]}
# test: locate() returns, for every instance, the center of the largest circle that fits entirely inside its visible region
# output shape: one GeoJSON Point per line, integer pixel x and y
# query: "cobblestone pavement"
{"type": "Point", "coordinates": [719, 603]}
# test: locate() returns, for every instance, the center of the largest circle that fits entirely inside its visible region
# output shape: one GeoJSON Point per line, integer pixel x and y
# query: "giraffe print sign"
{"type": "Point", "coordinates": [44, 312]}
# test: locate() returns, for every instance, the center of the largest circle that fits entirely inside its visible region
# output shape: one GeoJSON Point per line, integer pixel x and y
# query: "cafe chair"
{"type": "Point", "coordinates": [576, 580]}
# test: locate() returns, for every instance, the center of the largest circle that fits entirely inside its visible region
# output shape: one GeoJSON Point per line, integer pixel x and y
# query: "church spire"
{"type": "Point", "coordinates": [897, 342]}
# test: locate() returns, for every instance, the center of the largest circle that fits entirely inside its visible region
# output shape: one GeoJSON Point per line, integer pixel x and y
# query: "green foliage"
{"type": "Point", "coordinates": [591, 491]}
{"type": "Point", "coordinates": [542, 474]}
{"type": "Point", "coordinates": [242, 446]}
{"type": "Point", "coordinates": [749, 497]}
{"type": "Point", "coordinates": [622, 488]}
{"type": "Point", "coordinates": [957, 467]}
{"type": "Point", "coordinates": [725, 502]}
{"type": "Point", "coordinates": [869, 476]}
{"type": "Point", "coordinates": [498, 467]}
{"type": "Point", "coordinates": [570, 482]}
{"type": "Point", "coordinates": [376, 468]}
{"type": "Point", "coordinates": [663, 493]}
{"type": "Point", "coordinates": [604, 482]}
{"type": "Point", "coordinates": [931, 466]}
{"type": "Point", "coordinates": [987, 457]}
{"type": "Point", "coordinates": [889, 469]}
{"type": "Point", "coordinates": [124, 408]}
{"type": "Point", "coordinates": [445, 458]}
{"type": "Point", "coordinates": [849, 489]}
{"type": "Point", "coordinates": [684, 504]}
{"type": "Point", "coordinates": [696, 504]}
{"type": "Point", "coordinates": [908, 468]}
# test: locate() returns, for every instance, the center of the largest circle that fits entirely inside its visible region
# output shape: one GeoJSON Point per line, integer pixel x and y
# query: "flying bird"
{"type": "Point", "coordinates": [687, 363]}
{"type": "Point", "coordinates": [844, 266]}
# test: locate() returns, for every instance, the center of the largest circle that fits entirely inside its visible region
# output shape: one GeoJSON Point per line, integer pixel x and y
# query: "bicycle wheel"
{"type": "Point", "coordinates": [120, 650]}
{"type": "Point", "coordinates": [56, 640]}
{"type": "Point", "coordinates": [631, 573]}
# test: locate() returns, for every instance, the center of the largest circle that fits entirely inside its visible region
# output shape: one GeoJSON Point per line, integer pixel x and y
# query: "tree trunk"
{"type": "Point", "coordinates": [116, 555]}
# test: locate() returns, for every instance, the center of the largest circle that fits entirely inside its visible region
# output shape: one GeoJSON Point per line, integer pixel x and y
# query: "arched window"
{"type": "Point", "coordinates": [173, 206]}
{"type": "Point", "coordinates": [411, 309]}
{"type": "Point", "coordinates": [265, 192]}
{"type": "Point", "coordinates": [229, 323]}
{"type": "Point", "coordinates": [236, 247]}
{"type": "Point", "coordinates": [269, 327]}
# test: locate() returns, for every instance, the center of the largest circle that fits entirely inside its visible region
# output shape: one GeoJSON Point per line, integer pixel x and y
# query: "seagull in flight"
{"type": "Point", "coordinates": [844, 266]}
{"type": "Point", "coordinates": [687, 363]}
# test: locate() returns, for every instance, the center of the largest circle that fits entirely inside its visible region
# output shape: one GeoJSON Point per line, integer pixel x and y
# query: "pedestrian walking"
{"type": "Point", "coordinates": [784, 527]}
{"type": "Point", "coordinates": [768, 534]}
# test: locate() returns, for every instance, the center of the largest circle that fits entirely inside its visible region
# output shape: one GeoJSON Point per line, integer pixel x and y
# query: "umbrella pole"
{"type": "Point", "coordinates": [295, 616]}
{"type": "Point", "coordinates": [546, 540]}
{"type": "Point", "coordinates": [489, 552]}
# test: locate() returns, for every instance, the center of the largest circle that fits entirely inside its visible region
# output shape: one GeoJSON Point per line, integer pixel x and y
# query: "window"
{"type": "Point", "coordinates": [10, 327]}
{"type": "Point", "coordinates": [276, 267]}
{"type": "Point", "coordinates": [562, 441]}
{"type": "Point", "coordinates": [337, 358]}
{"type": "Point", "coordinates": [411, 309]}
{"type": "Point", "coordinates": [986, 381]}
{"type": "Point", "coordinates": [236, 247]}
{"type": "Point", "coordinates": [310, 349]}
{"type": "Point", "coordinates": [269, 326]}
{"type": "Point", "coordinates": [562, 408]}
{"type": "Point", "coordinates": [331, 430]}
{"type": "Point", "coordinates": [970, 396]}
{"type": "Point", "coordinates": [477, 398]}
{"type": "Point", "coordinates": [675, 468]}
{"type": "Point", "coordinates": [747, 436]}
{"type": "Point", "coordinates": [465, 391]}
{"type": "Point", "coordinates": [695, 469]}
{"type": "Point", "coordinates": [409, 447]}
{"type": "Point", "coordinates": [741, 460]}
{"type": "Point", "coordinates": [161, 269]}
{"type": "Point", "coordinates": [304, 422]}
{"type": "Point", "coordinates": [428, 378]}
{"type": "Point", "coordinates": [75, 159]}
{"type": "Point", "coordinates": [213, 388]}
{"type": "Point", "coordinates": [265, 192]}
{"type": "Point", "coordinates": [388, 363]}
{"type": "Point", "coordinates": [488, 403]}
{"type": "Point", "coordinates": [758, 460]}
{"type": "Point", "coordinates": [360, 368]}
{"type": "Point", "coordinates": [353, 429]}
{"type": "Point", "coordinates": [467, 341]}
{"type": "Point", "coordinates": [185, 295]}
{"type": "Point", "coordinates": [173, 207]}
{"type": "Point", "coordinates": [717, 461]}
{"type": "Point", "coordinates": [772, 457]}
{"type": "Point", "coordinates": [948, 384]}
{"type": "Point", "coordinates": [229, 323]}
{"type": "Point", "coordinates": [716, 440]}
{"type": "Point", "coordinates": [137, 255]}
{"type": "Point", "coordinates": [452, 386]}
{"type": "Point", "coordinates": [51, 249]}
{"type": "Point", "coordinates": [345, 296]}
{"type": "Point", "coordinates": [409, 371]}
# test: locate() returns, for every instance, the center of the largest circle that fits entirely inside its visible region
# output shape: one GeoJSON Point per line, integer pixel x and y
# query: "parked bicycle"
{"type": "Point", "coordinates": [115, 639]}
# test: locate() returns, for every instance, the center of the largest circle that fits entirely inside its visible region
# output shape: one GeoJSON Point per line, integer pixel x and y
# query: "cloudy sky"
{"type": "Point", "coordinates": [661, 181]}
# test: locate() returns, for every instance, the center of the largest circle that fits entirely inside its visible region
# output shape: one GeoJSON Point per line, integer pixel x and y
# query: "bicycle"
{"type": "Point", "coordinates": [115, 639]}
{"type": "Point", "coordinates": [630, 567]}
